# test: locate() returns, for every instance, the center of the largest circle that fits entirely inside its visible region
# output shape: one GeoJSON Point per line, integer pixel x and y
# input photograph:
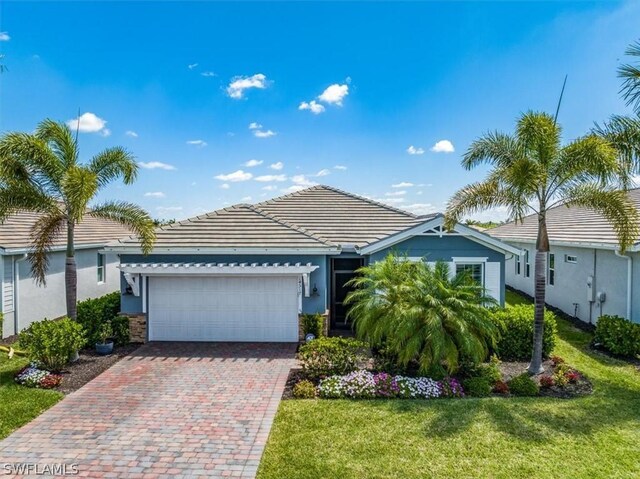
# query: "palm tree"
{"type": "Point", "coordinates": [630, 74]}
{"type": "Point", "coordinates": [41, 173]}
{"type": "Point", "coordinates": [420, 313]}
{"type": "Point", "coordinates": [532, 171]}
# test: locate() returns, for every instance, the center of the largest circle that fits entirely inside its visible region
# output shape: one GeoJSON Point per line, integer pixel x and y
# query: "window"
{"type": "Point", "coordinates": [474, 269]}
{"type": "Point", "coordinates": [527, 264]}
{"type": "Point", "coordinates": [570, 258]}
{"type": "Point", "coordinates": [518, 264]}
{"type": "Point", "coordinates": [552, 269]}
{"type": "Point", "coordinates": [101, 269]}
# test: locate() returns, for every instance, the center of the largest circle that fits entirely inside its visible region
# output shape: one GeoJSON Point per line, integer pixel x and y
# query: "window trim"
{"type": "Point", "coordinates": [101, 269]}
{"type": "Point", "coordinates": [551, 273]}
{"type": "Point", "coordinates": [527, 264]}
{"type": "Point", "coordinates": [471, 261]}
{"type": "Point", "coordinates": [571, 258]}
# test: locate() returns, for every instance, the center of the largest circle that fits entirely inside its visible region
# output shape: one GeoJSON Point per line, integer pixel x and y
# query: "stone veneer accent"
{"type": "Point", "coordinates": [137, 327]}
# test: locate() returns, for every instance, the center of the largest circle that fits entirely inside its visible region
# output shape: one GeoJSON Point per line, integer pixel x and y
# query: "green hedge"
{"type": "Point", "coordinates": [516, 332]}
{"type": "Point", "coordinates": [324, 357]}
{"type": "Point", "coordinates": [312, 323]}
{"type": "Point", "coordinates": [52, 342]}
{"type": "Point", "coordinates": [92, 313]}
{"type": "Point", "coordinates": [618, 335]}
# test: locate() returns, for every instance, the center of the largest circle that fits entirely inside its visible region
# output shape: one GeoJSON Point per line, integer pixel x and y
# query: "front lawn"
{"type": "Point", "coordinates": [19, 404]}
{"type": "Point", "coordinates": [589, 437]}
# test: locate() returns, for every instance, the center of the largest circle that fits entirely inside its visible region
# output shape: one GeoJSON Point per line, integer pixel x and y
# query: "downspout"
{"type": "Point", "coordinates": [16, 290]}
{"type": "Point", "coordinates": [629, 281]}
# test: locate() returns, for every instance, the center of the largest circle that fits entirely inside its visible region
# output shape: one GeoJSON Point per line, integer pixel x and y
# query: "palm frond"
{"type": "Point", "coordinates": [44, 234]}
{"type": "Point", "coordinates": [614, 205]}
{"type": "Point", "coordinates": [131, 216]}
{"type": "Point", "coordinates": [539, 135]}
{"type": "Point", "coordinates": [112, 164]}
{"type": "Point", "coordinates": [79, 186]}
{"type": "Point", "coordinates": [493, 148]}
{"type": "Point", "coordinates": [623, 132]}
{"type": "Point", "coordinates": [630, 74]}
{"type": "Point", "coordinates": [61, 141]}
{"type": "Point", "coordinates": [24, 197]}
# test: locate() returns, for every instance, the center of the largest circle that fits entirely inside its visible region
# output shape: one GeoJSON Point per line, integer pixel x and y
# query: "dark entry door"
{"type": "Point", "coordinates": [342, 270]}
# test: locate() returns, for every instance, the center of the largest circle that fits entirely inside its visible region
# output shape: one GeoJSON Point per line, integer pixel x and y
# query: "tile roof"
{"type": "Point", "coordinates": [316, 217]}
{"type": "Point", "coordinates": [565, 225]}
{"type": "Point", "coordinates": [15, 232]}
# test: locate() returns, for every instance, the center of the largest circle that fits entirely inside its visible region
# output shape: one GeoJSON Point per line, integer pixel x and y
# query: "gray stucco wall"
{"type": "Point", "coordinates": [570, 289]}
{"type": "Point", "coordinates": [312, 304]}
{"type": "Point", "coordinates": [38, 302]}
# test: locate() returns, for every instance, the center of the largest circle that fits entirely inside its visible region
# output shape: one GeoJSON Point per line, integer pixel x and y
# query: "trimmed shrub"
{"type": "Point", "coordinates": [477, 387]}
{"type": "Point", "coordinates": [94, 312]}
{"type": "Point", "coordinates": [324, 357]}
{"type": "Point", "coordinates": [312, 323]}
{"type": "Point", "coordinates": [304, 390]}
{"type": "Point", "coordinates": [501, 387]}
{"type": "Point", "coordinates": [618, 335]}
{"type": "Point", "coordinates": [516, 332]}
{"type": "Point", "coordinates": [489, 371]}
{"type": "Point", "coordinates": [523, 385]}
{"type": "Point", "coordinates": [51, 343]}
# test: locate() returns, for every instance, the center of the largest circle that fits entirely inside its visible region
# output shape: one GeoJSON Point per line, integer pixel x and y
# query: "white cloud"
{"type": "Point", "coordinates": [252, 163]}
{"type": "Point", "coordinates": [155, 194]}
{"type": "Point", "coordinates": [278, 165]}
{"type": "Point", "coordinates": [340, 167]}
{"type": "Point", "coordinates": [131, 133]}
{"type": "Point", "coordinates": [264, 134]}
{"type": "Point", "coordinates": [270, 188]}
{"type": "Point", "coordinates": [89, 123]}
{"type": "Point", "coordinates": [234, 177]}
{"type": "Point", "coordinates": [499, 213]}
{"type": "Point", "coordinates": [302, 180]}
{"type": "Point", "coordinates": [192, 66]}
{"type": "Point", "coordinates": [293, 188]}
{"type": "Point", "coordinates": [4, 37]}
{"type": "Point", "coordinates": [402, 184]}
{"type": "Point", "coordinates": [443, 146]}
{"type": "Point", "coordinates": [246, 198]}
{"type": "Point", "coordinates": [396, 193]}
{"type": "Point", "coordinates": [323, 172]}
{"type": "Point", "coordinates": [198, 143]}
{"type": "Point", "coordinates": [208, 74]}
{"type": "Point", "coordinates": [412, 150]}
{"type": "Point", "coordinates": [225, 186]}
{"type": "Point", "coordinates": [421, 208]}
{"type": "Point", "coordinates": [254, 126]}
{"type": "Point", "coordinates": [240, 83]}
{"type": "Point", "coordinates": [334, 94]}
{"type": "Point", "coordinates": [313, 106]}
{"type": "Point", "coordinates": [156, 165]}
{"type": "Point", "coordinates": [268, 178]}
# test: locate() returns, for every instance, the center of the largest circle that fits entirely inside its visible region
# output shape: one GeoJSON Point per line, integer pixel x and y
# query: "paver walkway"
{"type": "Point", "coordinates": [168, 410]}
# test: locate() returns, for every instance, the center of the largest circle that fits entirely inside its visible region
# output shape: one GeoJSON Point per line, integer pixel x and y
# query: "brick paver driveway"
{"type": "Point", "coordinates": [168, 410]}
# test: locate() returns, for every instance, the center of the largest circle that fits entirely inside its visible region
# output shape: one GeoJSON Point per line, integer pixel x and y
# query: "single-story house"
{"type": "Point", "coordinates": [23, 301]}
{"type": "Point", "coordinates": [244, 273]}
{"type": "Point", "coordinates": [587, 276]}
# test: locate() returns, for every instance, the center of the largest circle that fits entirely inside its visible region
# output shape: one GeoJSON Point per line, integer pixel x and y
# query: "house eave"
{"type": "Point", "coordinates": [222, 251]}
{"type": "Point", "coordinates": [29, 249]}
{"type": "Point", "coordinates": [576, 244]}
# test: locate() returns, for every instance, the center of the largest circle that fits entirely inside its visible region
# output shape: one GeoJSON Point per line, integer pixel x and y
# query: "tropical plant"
{"type": "Point", "coordinates": [52, 342]}
{"type": "Point", "coordinates": [630, 74]}
{"type": "Point", "coordinates": [420, 313]}
{"type": "Point", "coordinates": [532, 171]}
{"type": "Point", "coordinates": [42, 173]}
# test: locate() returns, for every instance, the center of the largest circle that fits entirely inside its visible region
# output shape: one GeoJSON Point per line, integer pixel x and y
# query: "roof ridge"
{"type": "Point", "coordinates": [287, 195]}
{"type": "Point", "coordinates": [368, 200]}
{"type": "Point", "coordinates": [292, 226]}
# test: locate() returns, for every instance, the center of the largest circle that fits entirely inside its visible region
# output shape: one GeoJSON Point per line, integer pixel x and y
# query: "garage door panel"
{"type": "Point", "coordinates": [223, 309]}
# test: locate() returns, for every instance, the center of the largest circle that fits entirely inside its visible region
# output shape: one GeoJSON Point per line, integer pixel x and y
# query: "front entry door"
{"type": "Point", "coordinates": [342, 270]}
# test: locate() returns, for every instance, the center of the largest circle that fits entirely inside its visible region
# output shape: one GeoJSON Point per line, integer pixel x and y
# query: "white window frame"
{"type": "Point", "coordinates": [470, 261]}
{"type": "Point", "coordinates": [551, 274]}
{"type": "Point", "coordinates": [101, 269]}
{"type": "Point", "coordinates": [527, 264]}
{"type": "Point", "coordinates": [518, 265]}
{"type": "Point", "coordinates": [570, 258]}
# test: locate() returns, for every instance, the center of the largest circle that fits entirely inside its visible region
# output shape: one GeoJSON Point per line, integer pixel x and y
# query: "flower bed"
{"type": "Point", "coordinates": [34, 376]}
{"type": "Point", "coordinates": [362, 384]}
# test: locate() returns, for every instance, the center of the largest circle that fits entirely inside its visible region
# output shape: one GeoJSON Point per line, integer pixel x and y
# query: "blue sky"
{"type": "Point", "coordinates": [198, 90]}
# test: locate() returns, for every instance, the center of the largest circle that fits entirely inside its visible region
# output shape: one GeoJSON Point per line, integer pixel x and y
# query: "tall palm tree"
{"type": "Point", "coordinates": [41, 173]}
{"type": "Point", "coordinates": [532, 171]}
{"type": "Point", "coordinates": [422, 314]}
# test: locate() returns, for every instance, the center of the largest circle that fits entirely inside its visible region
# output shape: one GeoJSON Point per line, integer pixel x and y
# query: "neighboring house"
{"type": "Point", "coordinates": [244, 273]}
{"type": "Point", "coordinates": [587, 277]}
{"type": "Point", "coordinates": [24, 302]}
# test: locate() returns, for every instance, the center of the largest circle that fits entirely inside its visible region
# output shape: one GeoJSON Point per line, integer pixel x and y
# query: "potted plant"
{"type": "Point", "coordinates": [105, 346]}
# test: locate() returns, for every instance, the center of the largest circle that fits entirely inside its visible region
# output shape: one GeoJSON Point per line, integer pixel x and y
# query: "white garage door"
{"type": "Point", "coordinates": [223, 308]}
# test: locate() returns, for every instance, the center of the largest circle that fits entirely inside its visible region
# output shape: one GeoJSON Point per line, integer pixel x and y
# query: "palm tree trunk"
{"type": "Point", "coordinates": [540, 275]}
{"type": "Point", "coordinates": [71, 274]}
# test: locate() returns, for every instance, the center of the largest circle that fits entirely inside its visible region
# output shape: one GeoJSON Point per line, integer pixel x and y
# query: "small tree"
{"type": "Point", "coordinates": [421, 313]}
{"type": "Point", "coordinates": [41, 173]}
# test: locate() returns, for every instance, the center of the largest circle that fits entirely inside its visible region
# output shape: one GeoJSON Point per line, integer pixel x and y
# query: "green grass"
{"type": "Point", "coordinates": [19, 404]}
{"type": "Point", "coordinates": [591, 437]}
{"type": "Point", "coordinates": [513, 299]}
